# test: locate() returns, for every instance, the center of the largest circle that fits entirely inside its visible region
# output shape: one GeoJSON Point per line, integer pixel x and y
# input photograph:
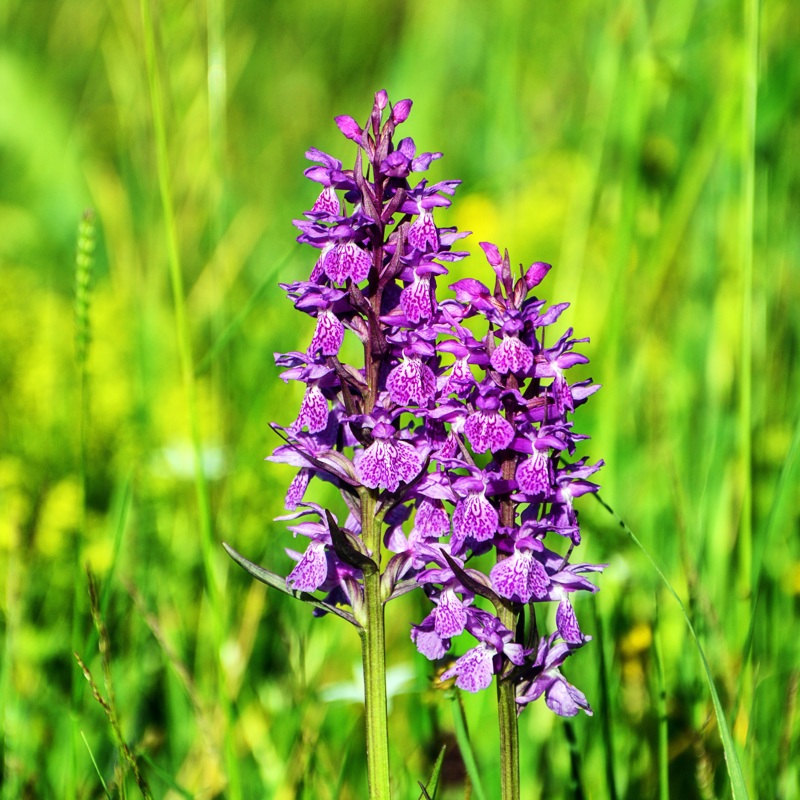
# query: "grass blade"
{"type": "Point", "coordinates": [738, 786]}
{"type": "Point", "coordinates": [429, 789]}
{"type": "Point", "coordinates": [465, 746]}
{"type": "Point", "coordinates": [233, 326]}
{"type": "Point", "coordinates": [605, 696]}
{"type": "Point", "coordinates": [165, 776]}
{"type": "Point", "coordinates": [96, 767]}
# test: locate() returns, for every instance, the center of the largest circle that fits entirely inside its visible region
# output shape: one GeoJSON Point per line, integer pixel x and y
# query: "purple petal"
{"type": "Point", "coordinates": [347, 260]}
{"type": "Point", "coordinates": [428, 642]}
{"type": "Point", "coordinates": [492, 253]}
{"type": "Point", "coordinates": [385, 463]}
{"type": "Point", "coordinates": [535, 273]}
{"type": "Point", "coordinates": [297, 488]}
{"type": "Point", "coordinates": [357, 261]}
{"type": "Point", "coordinates": [431, 520]}
{"type": "Point", "coordinates": [423, 161]}
{"type": "Point", "coordinates": [400, 111]}
{"type": "Point", "coordinates": [460, 378]}
{"type": "Point", "coordinates": [423, 232]}
{"type": "Point", "coordinates": [350, 128]}
{"type": "Point", "coordinates": [567, 623]}
{"type": "Point", "coordinates": [533, 475]}
{"type": "Point", "coordinates": [488, 431]}
{"type": "Point", "coordinates": [512, 355]}
{"type": "Point", "coordinates": [450, 618]}
{"type": "Point", "coordinates": [313, 411]}
{"type": "Point", "coordinates": [519, 577]}
{"type": "Point", "coordinates": [551, 315]}
{"type": "Point", "coordinates": [415, 300]}
{"type": "Point", "coordinates": [565, 700]}
{"type": "Point", "coordinates": [411, 381]}
{"type": "Point", "coordinates": [568, 360]}
{"type": "Point", "coordinates": [474, 670]}
{"type": "Point", "coordinates": [328, 335]}
{"type": "Point", "coordinates": [406, 148]}
{"type": "Point", "coordinates": [381, 99]}
{"type": "Point", "coordinates": [515, 653]}
{"type": "Point", "coordinates": [475, 517]}
{"type": "Point", "coordinates": [312, 569]}
{"type": "Point", "coordinates": [327, 202]}
{"type": "Point", "coordinates": [468, 290]}
{"type": "Point", "coordinates": [333, 264]}
{"type": "Point", "coordinates": [319, 269]}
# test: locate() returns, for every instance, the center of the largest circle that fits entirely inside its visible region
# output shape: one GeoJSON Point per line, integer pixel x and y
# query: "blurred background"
{"type": "Point", "coordinates": [647, 149]}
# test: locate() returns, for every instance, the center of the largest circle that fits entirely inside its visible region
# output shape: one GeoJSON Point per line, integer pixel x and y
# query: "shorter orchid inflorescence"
{"type": "Point", "coordinates": [450, 441]}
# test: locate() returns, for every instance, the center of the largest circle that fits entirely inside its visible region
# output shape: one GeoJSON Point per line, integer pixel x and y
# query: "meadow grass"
{"type": "Point", "coordinates": [646, 149]}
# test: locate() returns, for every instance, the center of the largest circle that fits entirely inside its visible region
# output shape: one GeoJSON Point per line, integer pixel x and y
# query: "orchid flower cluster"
{"type": "Point", "coordinates": [449, 442]}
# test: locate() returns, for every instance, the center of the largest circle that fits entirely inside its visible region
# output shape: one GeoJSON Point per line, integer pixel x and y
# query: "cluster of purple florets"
{"type": "Point", "coordinates": [459, 432]}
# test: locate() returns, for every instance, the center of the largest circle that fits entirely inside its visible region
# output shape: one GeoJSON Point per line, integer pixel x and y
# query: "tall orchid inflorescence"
{"type": "Point", "coordinates": [445, 443]}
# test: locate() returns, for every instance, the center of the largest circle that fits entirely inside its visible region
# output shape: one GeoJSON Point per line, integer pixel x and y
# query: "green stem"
{"type": "Point", "coordinates": [509, 732]}
{"type": "Point", "coordinates": [373, 650]}
{"type": "Point", "coordinates": [506, 691]}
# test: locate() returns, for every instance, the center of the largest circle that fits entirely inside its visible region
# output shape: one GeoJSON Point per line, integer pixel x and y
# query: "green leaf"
{"type": "Point", "coordinates": [429, 789]}
{"type": "Point", "coordinates": [346, 549]}
{"type": "Point", "coordinates": [279, 583]}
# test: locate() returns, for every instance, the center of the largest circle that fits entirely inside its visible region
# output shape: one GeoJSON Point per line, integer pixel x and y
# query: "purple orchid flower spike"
{"type": "Point", "coordinates": [518, 414]}
{"type": "Point", "coordinates": [450, 436]}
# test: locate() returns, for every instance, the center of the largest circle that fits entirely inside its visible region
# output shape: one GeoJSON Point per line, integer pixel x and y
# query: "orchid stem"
{"type": "Point", "coordinates": [373, 641]}
{"type": "Point", "coordinates": [509, 731]}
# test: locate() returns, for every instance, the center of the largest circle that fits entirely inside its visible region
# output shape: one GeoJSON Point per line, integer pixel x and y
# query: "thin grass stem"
{"type": "Point", "coordinates": [732, 762]}
{"type": "Point", "coordinates": [96, 767]}
{"type": "Point", "coordinates": [745, 417]}
{"type": "Point", "coordinates": [84, 268]}
{"type": "Point", "coordinates": [606, 716]}
{"type": "Point", "coordinates": [207, 542]}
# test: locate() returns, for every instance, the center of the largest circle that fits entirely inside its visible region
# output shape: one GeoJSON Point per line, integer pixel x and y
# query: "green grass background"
{"type": "Point", "coordinates": [649, 150]}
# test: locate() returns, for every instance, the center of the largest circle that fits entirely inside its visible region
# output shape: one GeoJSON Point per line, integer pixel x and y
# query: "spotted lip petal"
{"type": "Point", "coordinates": [313, 411]}
{"type": "Point", "coordinates": [385, 463]}
{"type": "Point", "coordinates": [312, 569]}
{"type": "Point", "coordinates": [423, 233]}
{"type": "Point", "coordinates": [432, 521]}
{"type": "Point", "coordinates": [428, 642]}
{"type": "Point", "coordinates": [415, 299]}
{"type": "Point", "coordinates": [475, 518]}
{"type": "Point", "coordinates": [450, 616]}
{"type": "Point", "coordinates": [512, 355]}
{"type": "Point", "coordinates": [297, 488]}
{"type": "Point", "coordinates": [474, 670]}
{"type": "Point", "coordinates": [328, 335]}
{"type": "Point", "coordinates": [327, 202]}
{"type": "Point", "coordinates": [534, 475]}
{"type": "Point", "coordinates": [346, 260]}
{"type": "Point", "coordinates": [411, 381]}
{"type": "Point", "coordinates": [520, 577]}
{"type": "Point", "coordinates": [488, 431]}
